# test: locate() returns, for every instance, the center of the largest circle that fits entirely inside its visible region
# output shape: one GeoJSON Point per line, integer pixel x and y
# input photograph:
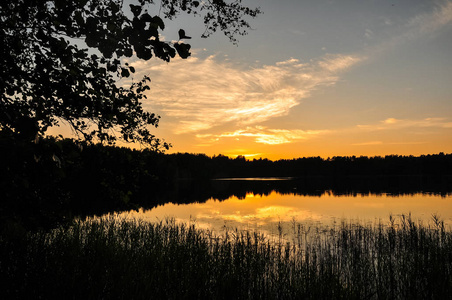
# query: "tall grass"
{"type": "Point", "coordinates": [118, 259]}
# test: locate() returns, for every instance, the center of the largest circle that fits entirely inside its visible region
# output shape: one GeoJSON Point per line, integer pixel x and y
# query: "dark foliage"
{"type": "Point", "coordinates": [50, 181]}
{"type": "Point", "coordinates": [61, 61]}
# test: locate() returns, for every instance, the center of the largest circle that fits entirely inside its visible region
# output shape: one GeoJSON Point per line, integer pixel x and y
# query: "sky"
{"type": "Point", "coordinates": [312, 78]}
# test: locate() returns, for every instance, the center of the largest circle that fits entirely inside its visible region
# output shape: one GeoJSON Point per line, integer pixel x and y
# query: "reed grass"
{"type": "Point", "coordinates": [129, 259]}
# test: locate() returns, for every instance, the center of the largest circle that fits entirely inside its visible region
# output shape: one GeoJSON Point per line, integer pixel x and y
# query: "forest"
{"type": "Point", "coordinates": [55, 179]}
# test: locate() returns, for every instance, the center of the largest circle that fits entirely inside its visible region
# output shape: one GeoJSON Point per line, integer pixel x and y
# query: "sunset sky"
{"type": "Point", "coordinates": [313, 78]}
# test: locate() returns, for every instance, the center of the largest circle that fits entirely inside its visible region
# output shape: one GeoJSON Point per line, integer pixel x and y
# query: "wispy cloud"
{"type": "Point", "coordinates": [392, 123]}
{"type": "Point", "coordinates": [377, 143]}
{"type": "Point", "coordinates": [429, 22]}
{"type": "Point", "coordinates": [368, 34]}
{"type": "Point", "coordinates": [372, 143]}
{"type": "Point", "coordinates": [335, 63]}
{"type": "Point", "coordinates": [417, 27]}
{"type": "Point", "coordinates": [199, 94]}
{"type": "Point", "coordinates": [264, 135]}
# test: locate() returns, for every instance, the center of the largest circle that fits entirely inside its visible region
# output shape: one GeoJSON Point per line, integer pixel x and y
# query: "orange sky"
{"type": "Point", "coordinates": [320, 78]}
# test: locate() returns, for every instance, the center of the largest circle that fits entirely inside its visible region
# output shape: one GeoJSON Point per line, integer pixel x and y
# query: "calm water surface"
{"type": "Point", "coordinates": [264, 211]}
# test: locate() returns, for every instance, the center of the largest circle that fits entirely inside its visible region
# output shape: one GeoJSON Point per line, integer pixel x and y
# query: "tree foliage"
{"type": "Point", "coordinates": [61, 61]}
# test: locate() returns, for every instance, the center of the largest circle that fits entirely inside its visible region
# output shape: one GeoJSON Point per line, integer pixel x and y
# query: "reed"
{"type": "Point", "coordinates": [118, 259]}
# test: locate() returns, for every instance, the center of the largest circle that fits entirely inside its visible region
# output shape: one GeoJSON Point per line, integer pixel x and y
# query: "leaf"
{"type": "Point", "coordinates": [91, 24]}
{"type": "Point", "coordinates": [136, 10]}
{"type": "Point", "coordinates": [79, 18]}
{"type": "Point", "coordinates": [143, 52]}
{"type": "Point", "coordinates": [107, 47]}
{"type": "Point", "coordinates": [183, 49]}
{"type": "Point", "coordinates": [157, 20]}
{"type": "Point", "coordinates": [182, 35]}
{"type": "Point", "coordinates": [125, 72]}
{"type": "Point", "coordinates": [152, 32]}
{"type": "Point", "coordinates": [128, 52]}
{"type": "Point", "coordinates": [92, 39]}
{"type": "Point", "coordinates": [111, 67]}
{"type": "Point", "coordinates": [114, 7]}
{"type": "Point", "coordinates": [146, 18]}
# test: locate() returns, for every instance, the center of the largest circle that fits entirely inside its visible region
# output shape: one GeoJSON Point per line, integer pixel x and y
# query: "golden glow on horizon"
{"type": "Point", "coordinates": [404, 137]}
{"type": "Point", "coordinates": [213, 105]}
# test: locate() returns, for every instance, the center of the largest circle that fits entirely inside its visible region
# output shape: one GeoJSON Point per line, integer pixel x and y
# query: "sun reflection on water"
{"type": "Point", "coordinates": [265, 213]}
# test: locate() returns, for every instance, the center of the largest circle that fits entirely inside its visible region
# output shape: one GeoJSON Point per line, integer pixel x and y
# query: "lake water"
{"type": "Point", "coordinates": [262, 204]}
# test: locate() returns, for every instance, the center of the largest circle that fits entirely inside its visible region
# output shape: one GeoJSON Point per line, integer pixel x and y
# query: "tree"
{"type": "Point", "coordinates": [61, 60]}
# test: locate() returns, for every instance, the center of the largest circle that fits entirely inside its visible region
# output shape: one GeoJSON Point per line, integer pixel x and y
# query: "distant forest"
{"type": "Point", "coordinates": [200, 166]}
{"type": "Point", "coordinates": [66, 154]}
{"type": "Point", "coordinates": [197, 166]}
{"type": "Point", "coordinates": [60, 178]}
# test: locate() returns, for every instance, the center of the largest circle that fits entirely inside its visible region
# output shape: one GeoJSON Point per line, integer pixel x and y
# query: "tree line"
{"type": "Point", "coordinates": [201, 166]}
{"type": "Point", "coordinates": [56, 177]}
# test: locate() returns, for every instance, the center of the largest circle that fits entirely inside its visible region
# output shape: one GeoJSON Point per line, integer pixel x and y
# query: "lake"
{"type": "Point", "coordinates": [264, 203]}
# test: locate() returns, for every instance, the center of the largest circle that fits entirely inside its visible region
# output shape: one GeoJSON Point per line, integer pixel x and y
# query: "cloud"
{"type": "Point", "coordinates": [387, 21]}
{"type": "Point", "coordinates": [376, 143]}
{"type": "Point", "coordinates": [392, 123]}
{"type": "Point", "coordinates": [263, 135]}
{"type": "Point", "coordinates": [372, 143]}
{"type": "Point", "coordinates": [416, 27]}
{"type": "Point", "coordinates": [426, 23]}
{"type": "Point", "coordinates": [368, 34]}
{"type": "Point", "coordinates": [335, 63]}
{"type": "Point", "coordinates": [199, 94]}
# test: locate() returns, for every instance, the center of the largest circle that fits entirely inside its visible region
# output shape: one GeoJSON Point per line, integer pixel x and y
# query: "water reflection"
{"type": "Point", "coordinates": [264, 204]}
{"type": "Point", "coordinates": [254, 179]}
{"type": "Point", "coordinates": [185, 192]}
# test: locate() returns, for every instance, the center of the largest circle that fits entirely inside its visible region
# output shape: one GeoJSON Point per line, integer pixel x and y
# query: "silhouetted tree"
{"type": "Point", "coordinates": [61, 59]}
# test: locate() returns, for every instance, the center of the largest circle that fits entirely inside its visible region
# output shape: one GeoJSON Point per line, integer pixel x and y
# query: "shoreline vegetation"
{"type": "Point", "coordinates": [52, 180]}
{"type": "Point", "coordinates": [118, 259]}
{"type": "Point", "coordinates": [49, 184]}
